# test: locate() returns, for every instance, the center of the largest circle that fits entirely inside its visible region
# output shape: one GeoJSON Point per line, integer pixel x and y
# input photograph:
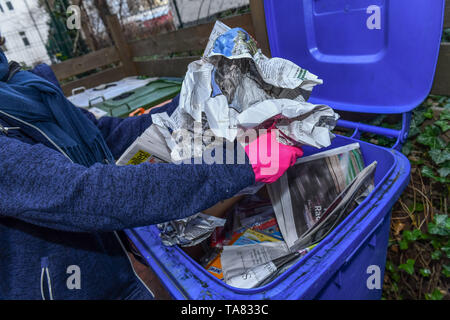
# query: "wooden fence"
{"type": "Point", "coordinates": [127, 58]}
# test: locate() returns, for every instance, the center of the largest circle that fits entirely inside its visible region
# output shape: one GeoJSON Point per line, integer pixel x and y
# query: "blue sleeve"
{"type": "Point", "coordinates": [120, 133]}
{"type": "Point", "coordinates": [41, 186]}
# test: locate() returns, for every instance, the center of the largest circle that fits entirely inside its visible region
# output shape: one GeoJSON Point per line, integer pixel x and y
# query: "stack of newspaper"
{"type": "Point", "coordinates": [309, 194]}
{"type": "Point", "coordinates": [310, 200]}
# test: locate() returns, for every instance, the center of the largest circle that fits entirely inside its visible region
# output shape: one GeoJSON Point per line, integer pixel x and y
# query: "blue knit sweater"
{"type": "Point", "coordinates": [56, 215]}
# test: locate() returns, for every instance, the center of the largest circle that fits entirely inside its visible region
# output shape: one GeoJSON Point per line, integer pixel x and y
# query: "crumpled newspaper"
{"type": "Point", "coordinates": [234, 86]}
{"type": "Point", "coordinates": [189, 231]}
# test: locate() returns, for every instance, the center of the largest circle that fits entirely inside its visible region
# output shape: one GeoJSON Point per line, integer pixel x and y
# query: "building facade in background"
{"type": "Point", "coordinates": [192, 12]}
{"type": "Point", "coordinates": [24, 25]}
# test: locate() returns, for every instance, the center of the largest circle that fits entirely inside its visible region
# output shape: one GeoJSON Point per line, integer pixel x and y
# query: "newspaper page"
{"type": "Point", "coordinates": [237, 261]}
{"type": "Point", "coordinates": [149, 147]}
{"type": "Point", "coordinates": [341, 207]}
{"type": "Point", "coordinates": [257, 265]}
{"type": "Point", "coordinates": [306, 190]}
{"type": "Point", "coordinates": [218, 30]}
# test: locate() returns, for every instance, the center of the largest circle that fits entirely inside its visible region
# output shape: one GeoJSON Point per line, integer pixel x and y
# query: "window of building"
{"type": "Point", "coordinates": [24, 38]}
{"type": "Point", "coordinates": [9, 5]}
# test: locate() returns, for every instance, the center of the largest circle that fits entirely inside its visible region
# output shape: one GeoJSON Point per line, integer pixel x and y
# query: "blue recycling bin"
{"type": "Point", "coordinates": [375, 56]}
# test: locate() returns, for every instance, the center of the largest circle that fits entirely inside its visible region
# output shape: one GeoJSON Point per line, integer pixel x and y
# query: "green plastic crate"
{"type": "Point", "coordinates": [145, 97]}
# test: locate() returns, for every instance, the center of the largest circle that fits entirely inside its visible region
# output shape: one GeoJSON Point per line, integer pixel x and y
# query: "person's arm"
{"type": "Point", "coordinates": [41, 186]}
{"type": "Point", "coordinates": [120, 133]}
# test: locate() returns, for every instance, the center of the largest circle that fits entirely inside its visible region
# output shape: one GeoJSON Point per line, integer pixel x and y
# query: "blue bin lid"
{"type": "Point", "coordinates": [374, 56]}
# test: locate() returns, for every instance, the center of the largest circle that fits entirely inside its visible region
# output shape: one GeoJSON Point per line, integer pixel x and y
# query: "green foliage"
{"type": "Point", "coordinates": [440, 225]}
{"type": "Point", "coordinates": [446, 270]}
{"type": "Point", "coordinates": [392, 269]}
{"type": "Point", "coordinates": [429, 172]}
{"type": "Point", "coordinates": [436, 255]}
{"type": "Point", "coordinates": [435, 295]}
{"type": "Point", "coordinates": [437, 237]}
{"type": "Point", "coordinates": [422, 248]}
{"type": "Point", "coordinates": [408, 267]}
{"type": "Point", "coordinates": [446, 250]}
{"type": "Point", "coordinates": [430, 137]}
{"type": "Point", "coordinates": [443, 124]}
{"type": "Point", "coordinates": [425, 272]}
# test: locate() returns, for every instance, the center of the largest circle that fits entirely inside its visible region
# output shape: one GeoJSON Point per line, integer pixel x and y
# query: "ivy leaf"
{"type": "Point", "coordinates": [413, 131]}
{"type": "Point", "coordinates": [443, 124]}
{"type": "Point", "coordinates": [436, 244]}
{"type": "Point", "coordinates": [435, 295]}
{"type": "Point", "coordinates": [429, 136]}
{"type": "Point", "coordinates": [408, 267]}
{"type": "Point", "coordinates": [417, 162]}
{"type": "Point", "coordinates": [428, 114]}
{"type": "Point", "coordinates": [441, 99]}
{"type": "Point", "coordinates": [418, 118]}
{"type": "Point", "coordinates": [436, 255]}
{"type": "Point", "coordinates": [440, 225]}
{"type": "Point", "coordinates": [444, 172]}
{"type": "Point", "coordinates": [412, 235]}
{"type": "Point", "coordinates": [395, 277]}
{"type": "Point", "coordinates": [439, 156]}
{"type": "Point", "coordinates": [403, 244]}
{"type": "Point", "coordinates": [446, 249]}
{"type": "Point", "coordinates": [418, 207]}
{"type": "Point", "coordinates": [428, 172]}
{"type": "Point", "coordinates": [439, 143]}
{"type": "Point", "coordinates": [390, 266]}
{"type": "Point", "coordinates": [446, 271]}
{"type": "Point", "coordinates": [407, 148]}
{"type": "Point", "coordinates": [445, 114]}
{"type": "Point", "coordinates": [425, 272]}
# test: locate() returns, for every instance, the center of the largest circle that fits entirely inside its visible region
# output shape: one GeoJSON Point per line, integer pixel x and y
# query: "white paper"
{"type": "Point", "coordinates": [238, 260]}
{"type": "Point", "coordinates": [150, 146]}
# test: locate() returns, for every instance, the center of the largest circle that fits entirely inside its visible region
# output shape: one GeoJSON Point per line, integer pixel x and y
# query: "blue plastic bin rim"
{"type": "Point", "coordinates": [375, 56]}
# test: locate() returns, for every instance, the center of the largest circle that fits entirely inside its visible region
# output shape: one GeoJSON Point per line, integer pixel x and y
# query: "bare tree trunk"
{"type": "Point", "coordinates": [104, 11]}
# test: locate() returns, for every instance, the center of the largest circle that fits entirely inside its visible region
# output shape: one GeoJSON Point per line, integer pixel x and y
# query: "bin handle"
{"type": "Point", "coordinates": [74, 91]}
{"type": "Point", "coordinates": [96, 98]}
{"type": "Point", "coordinates": [401, 135]}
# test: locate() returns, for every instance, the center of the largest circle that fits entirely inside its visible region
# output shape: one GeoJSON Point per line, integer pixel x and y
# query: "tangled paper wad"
{"type": "Point", "coordinates": [234, 86]}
